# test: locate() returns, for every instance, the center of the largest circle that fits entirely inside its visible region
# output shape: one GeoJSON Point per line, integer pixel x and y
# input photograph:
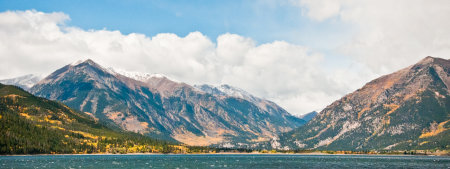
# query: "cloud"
{"type": "Point", "coordinates": [387, 36]}
{"type": "Point", "coordinates": [292, 75]}
{"type": "Point", "coordinates": [390, 34]}
{"type": "Point", "coordinates": [320, 9]}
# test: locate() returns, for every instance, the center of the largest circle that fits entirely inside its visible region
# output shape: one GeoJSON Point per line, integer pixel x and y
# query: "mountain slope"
{"type": "Point", "coordinates": [25, 82]}
{"type": "Point", "coordinates": [33, 125]}
{"type": "Point", "coordinates": [308, 116]}
{"type": "Point", "coordinates": [158, 106]}
{"type": "Point", "coordinates": [408, 109]}
{"type": "Point", "coordinates": [113, 99]}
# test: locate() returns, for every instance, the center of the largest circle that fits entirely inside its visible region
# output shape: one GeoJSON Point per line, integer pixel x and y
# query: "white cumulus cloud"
{"type": "Point", "coordinates": [292, 75]}
{"type": "Point", "coordinates": [388, 35]}
{"type": "Point", "coordinates": [391, 34]}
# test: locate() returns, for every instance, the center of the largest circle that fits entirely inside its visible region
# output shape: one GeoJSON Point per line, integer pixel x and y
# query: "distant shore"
{"type": "Point", "coordinates": [227, 153]}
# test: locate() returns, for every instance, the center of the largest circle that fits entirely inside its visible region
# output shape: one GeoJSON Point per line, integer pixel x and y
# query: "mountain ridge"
{"type": "Point", "coordinates": [162, 107]}
{"type": "Point", "coordinates": [25, 81]}
{"type": "Point", "coordinates": [395, 111]}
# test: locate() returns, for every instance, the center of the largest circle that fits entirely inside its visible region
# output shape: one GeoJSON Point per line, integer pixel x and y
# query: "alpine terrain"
{"type": "Point", "coordinates": [405, 110]}
{"type": "Point", "coordinates": [25, 82]}
{"type": "Point", "coordinates": [160, 107]}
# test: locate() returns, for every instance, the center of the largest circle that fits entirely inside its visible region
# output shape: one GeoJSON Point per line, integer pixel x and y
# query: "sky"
{"type": "Point", "coordinates": [302, 54]}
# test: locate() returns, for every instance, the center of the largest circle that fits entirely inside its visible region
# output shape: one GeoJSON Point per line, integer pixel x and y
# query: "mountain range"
{"type": "Point", "coordinates": [405, 110]}
{"type": "Point", "coordinates": [25, 82]}
{"type": "Point", "coordinates": [157, 106]}
{"type": "Point", "coordinates": [408, 109]}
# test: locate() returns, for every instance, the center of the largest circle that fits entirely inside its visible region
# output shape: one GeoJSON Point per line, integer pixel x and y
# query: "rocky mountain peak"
{"type": "Point", "coordinates": [158, 106]}
{"type": "Point", "coordinates": [430, 61]}
{"type": "Point", "coordinates": [89, 63]}
{"type": "Point", "coordinates": [427, 59]}
{"type": "Point", "coordinates": [81, 70]}
{"type": "Point", "coordinates": [394, 111]}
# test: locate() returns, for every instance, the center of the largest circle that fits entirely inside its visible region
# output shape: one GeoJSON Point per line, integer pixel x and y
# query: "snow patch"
{"type": "Point", "coordinates": [139, 76]}
{"type": "Point", "coordinates": [76, 63]}
{"type": "Point", "coordinates": [227, 90]}
{"type": "Point", "coordinates": [26, 81]}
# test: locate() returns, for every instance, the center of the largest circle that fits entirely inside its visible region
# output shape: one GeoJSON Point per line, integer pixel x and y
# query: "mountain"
{"type": "Point", "coordinates": [157, 106]}
{"type": "Point", "coordinates": [405, 110]}
{"type": "Point", "coordinates": [139, 76]}
{"type": "Point", "coordinates": [25, 82]}
{"type": "Point", "coordinates": [229, 91]}
{"type": "Point", "coordinates": [308, 116]}
{"type": "Point", "coordinates": [34, 125]}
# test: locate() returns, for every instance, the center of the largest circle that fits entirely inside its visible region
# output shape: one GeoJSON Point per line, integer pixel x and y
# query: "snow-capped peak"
{"type": "Point", "coordinates": [76, 63]}
{"type": "Point", "coordinates": [26, 81]}
{"type": "Point", "coordinates": [227, 90]}
{"type": "Point", "coordinates": [88, 61]}
{"type": "Point", "coordinates": [139, 76]}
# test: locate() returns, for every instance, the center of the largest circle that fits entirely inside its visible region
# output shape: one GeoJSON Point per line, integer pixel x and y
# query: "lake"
{"type": "Point", "coordinates": [253, 161]}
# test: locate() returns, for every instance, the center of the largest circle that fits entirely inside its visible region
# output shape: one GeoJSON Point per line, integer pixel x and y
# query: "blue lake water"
{"type": "Point", "coordinates": [223, 161]}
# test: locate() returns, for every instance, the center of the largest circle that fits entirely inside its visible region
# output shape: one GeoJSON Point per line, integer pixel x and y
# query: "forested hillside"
{"type": "Point", "coordinates": [33, 125]}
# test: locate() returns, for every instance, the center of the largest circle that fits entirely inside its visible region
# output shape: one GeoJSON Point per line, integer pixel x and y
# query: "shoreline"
{"type": "Point", "coordinates": [225, 153]}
